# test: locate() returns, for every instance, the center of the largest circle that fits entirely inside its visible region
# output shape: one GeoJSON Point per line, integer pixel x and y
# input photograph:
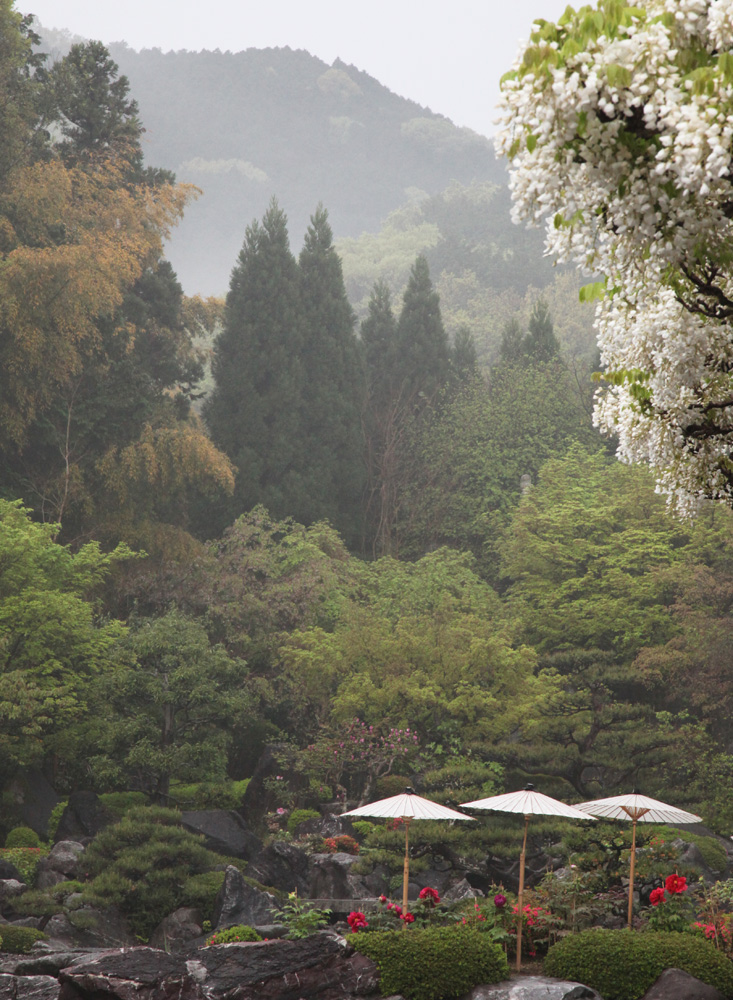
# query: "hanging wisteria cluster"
{"type": "Point", "coordinates": [618, 122]}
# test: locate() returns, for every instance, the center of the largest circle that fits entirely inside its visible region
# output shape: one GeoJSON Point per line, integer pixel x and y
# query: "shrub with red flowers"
{"type": "Point", "coordinates": [669, 908]}
{"type": "Point", "coordinates": [537, 926]}
{"type": "Point", "coordinates": [343, 844]}
{"type": "Point", "coordinates": [429, 896]}
{"type": "Point", "coordinates": [357, 921]}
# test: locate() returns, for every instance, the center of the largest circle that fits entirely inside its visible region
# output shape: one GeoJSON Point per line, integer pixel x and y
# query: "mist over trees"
{"type": "Point", "coordinates": [364, 489]}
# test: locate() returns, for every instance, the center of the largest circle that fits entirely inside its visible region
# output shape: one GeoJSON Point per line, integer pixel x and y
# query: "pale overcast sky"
{"type": "Point", "coordinates": [447, 55]}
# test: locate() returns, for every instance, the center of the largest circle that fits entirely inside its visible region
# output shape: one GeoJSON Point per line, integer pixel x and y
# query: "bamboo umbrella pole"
{"type": "Point", "coordinates": [635, 815]}
{"type": "Point", "coordinates": [406, 867]}
{"type": "Point", "coordinates": [520, 896]}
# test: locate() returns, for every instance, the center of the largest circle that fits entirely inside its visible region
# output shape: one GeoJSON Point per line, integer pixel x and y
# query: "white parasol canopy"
{"type": "Point", "coordinates": [638, 809]}
{"type": "Point", "coordinates": [406, 807]}
{"type": "Point", "coordinates": [526, 802]}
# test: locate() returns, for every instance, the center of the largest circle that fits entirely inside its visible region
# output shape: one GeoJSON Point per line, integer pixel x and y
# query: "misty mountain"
{"type": "Point", "coordinates": [248, 125]}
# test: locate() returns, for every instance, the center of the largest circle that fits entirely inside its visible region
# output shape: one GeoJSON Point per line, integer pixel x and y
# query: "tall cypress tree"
{"type": "Point", "coordinates": [332, 386]}
{"type": "Point", "coordinates": [383, 420]}
{"type": "Point", "coordinates": [541, 344]}
{"type": "Point", "coordinates": [254, 410]}
{"type": "Point", "coordinates": [422, 345]}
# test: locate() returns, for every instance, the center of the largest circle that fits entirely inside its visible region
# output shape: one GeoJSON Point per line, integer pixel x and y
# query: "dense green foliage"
{"type": "Point", "coordinates": [19, 940]}
{"type": "Point", "coordinates": [622, 965]}
{"type": "Point", "coordinates": [141, 865]}
{"type": "Point", "coordinates": [22, 836]}
{"type": "Point", "coordinates": [433, 963]}
{"type": "Point", "coordinates": [239, 932]}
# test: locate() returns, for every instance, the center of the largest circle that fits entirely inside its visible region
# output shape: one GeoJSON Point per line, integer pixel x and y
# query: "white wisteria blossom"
{"type": "Point", "coordinates": [618, 122]}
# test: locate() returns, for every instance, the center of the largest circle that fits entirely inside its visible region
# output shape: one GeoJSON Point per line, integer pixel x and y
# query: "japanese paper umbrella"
{"type": "Point", "coordinates": [638, 809]}
{"type": "Point", "coordinates": [407, 807]}
{"type": "Point", "coordinates": [528, 803]}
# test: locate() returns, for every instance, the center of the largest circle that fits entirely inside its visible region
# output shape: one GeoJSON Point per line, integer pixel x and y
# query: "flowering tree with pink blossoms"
{"type": "Point", "coordinates": [618, 122]}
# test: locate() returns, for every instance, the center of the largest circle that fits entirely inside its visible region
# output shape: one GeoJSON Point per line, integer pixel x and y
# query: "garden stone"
{"type": "Point", "coordinates": [9, 871]}
{"type": "Point", "coordinates": [322, 966]}
{"type": "Point", "coordinates": [462, 890]}
{"type": "Point", "coordinates": [224, 830]}
{"type": "Point", "coordinates": [237, 902]}
{"type": "Point", "coordinates": [101, 929]}
{"type": "Point", "coordinates": [331, 877]}
{"type": "Point", "coordinates": [29, 988]}
{"type": "Point", "coordinates": [328, 825]}
{"type": "Point", "coordinates": [177, 932]}
{"type": "Point", "coordinates": [533, 988]}
{"type": "Point", "coordinates": [377, 882]}
{"type": "Point", "coordinates": [83, 818]}
{"type": "Point", "coordinates": [142, 973]}
{"type": "Point", "coordinates": [64, 856]}
{"type": "Point", "coordinates": [45, 878]}
{"type": "Point", "coordinates": [674, 984]}
{"type": "Point", "coordinates": [52, 962]}
{"type": "Point", "coordinates": [282, 866]}
{"type": "Point", "coordinates": [10, 888]}
{"type": "Point", "coordinates": [690, 854]}
{"type": "Point", "coordinates": [258, 797]}
{"type": "Point", "coordinates": [35, 799]}
{"type": "Point", "coordinates": [29, 922]}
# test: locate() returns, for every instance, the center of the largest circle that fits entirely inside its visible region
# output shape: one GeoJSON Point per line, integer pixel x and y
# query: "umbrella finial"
{"type": "Point", "coordinates": [529, 787]}
{"type": "Point", "coordinates": [409, 791]}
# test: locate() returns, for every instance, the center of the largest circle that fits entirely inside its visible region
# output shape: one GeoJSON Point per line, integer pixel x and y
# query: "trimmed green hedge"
{"type": "Point", "coordinates": [622, 965]}
{"type": "Point", "coordinates": [22, 836]}
{"type": "Point", "coordinates": [432, 963]}
{"type": "Point", "coordinates": [240, 932]}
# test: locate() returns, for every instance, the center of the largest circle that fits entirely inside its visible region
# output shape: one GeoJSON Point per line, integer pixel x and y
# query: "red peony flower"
{"type": "Point", "coordinates": [675, 883]}
{"type": "Point", "coordinates": [357, 921]}
{"type": "Point", "coordinates": [656, 896]}
{"type": "Point", "coordinates": [382, 899]}
{"type": "Point", "coordinates": [500, 900]}
{"type": "Point", "coordinates": [407, 917]}
{"type": "Point", "coordinates": [429, 896]}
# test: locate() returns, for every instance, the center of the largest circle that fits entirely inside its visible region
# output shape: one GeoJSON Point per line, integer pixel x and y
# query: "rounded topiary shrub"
{"type": "Point", "coordinates": [622, 965]}
{"type": "Point", "coordinates": [22, 836]}
{"type": "Point", "coordinates": [20, 940]}
{"type": "Point", "coordinates": [432, 963]}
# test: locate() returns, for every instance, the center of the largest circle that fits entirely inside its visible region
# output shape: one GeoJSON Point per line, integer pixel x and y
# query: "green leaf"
{"type": "Point", "coordinates": [595, 290]}
{"type": "Point", "coordinates": [532, 142]}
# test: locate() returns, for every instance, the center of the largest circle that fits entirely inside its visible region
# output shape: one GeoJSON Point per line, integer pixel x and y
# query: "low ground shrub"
{"type": "Point", "coordinates": [200, 891]}
{"type": "Point", "coordinates": [622, 965]}
{"type": "Point", "coordinates": [298, 816]}
{"type": "Point", "coordinates": [712, 851]}
{"type": "Point", "coordinates": [22, 836]}
{"type": "Point", "coordinates": [20, 940]}
{"type": "Point", "coordinates": [432, 963]}
{"type": "Point", "coordinates": [25, 860]}
{"type": "Point", "coordinates": [240, 932]}
{"type": "Point", "coordinates": [208, 794]}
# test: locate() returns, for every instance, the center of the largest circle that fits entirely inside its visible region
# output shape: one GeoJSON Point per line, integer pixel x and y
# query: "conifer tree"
{"type": "Point", "coordinates": [382, 419]}
{"type": "Point", "coordinates": [332, 386]}
{"type": "Point", "coordinates": [254, 410]}
{"type": "Point", "coordinates": [422, 359]}
{"type": "Point", "coordinates": [541, 344]}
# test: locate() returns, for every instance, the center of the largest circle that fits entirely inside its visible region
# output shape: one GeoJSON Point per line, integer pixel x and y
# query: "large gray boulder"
{"type": "Point", "coordinates": [83, 818]}
{"type": "Point", "coordinates": [331, 877]}
{"type": "Point", "coordinates": [282, 866]}
{"type": "Point", "coordinates": [29, 988]}
{"type": "Point", "coordinates": [674, 984]}
{"type": "Point", "coordinates": [140, 973]}
{"type": "Point", "coordinates": [178, 931]}
{"type": "Point", "coordinates": [533, 988]}
{"type": "Point", "coordinates": [59, 864]}
{"type": "Point", "coordinates": [224, 830]}
{"type": "Point", "coordinates": [237, 902]}
{"type": "Point", "coordinates": [87, 927]}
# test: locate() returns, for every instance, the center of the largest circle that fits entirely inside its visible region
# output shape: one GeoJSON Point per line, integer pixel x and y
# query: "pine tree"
{"type": "Point", "coordinates": [422, 360]}
{"type": "Point", "coordinates": [332, 387]}
{"type": "Point", "coordinates": [254, 410]}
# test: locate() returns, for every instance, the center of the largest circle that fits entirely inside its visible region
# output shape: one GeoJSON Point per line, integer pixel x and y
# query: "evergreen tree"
{"type": "Point", "coordinates": [382, 419]}
{"type": "Point", "coordinates": [332, 387]}
{"type": "Point", "coordinates": [422, 360]}
{"type": "Point", "coordinates": [254, 410]}
{"type": "Point", "coordinates": [512, 342]}
{"type": "Point", "coordinates": [541, 344]}
{"type": "Point", "coordinates": [463, 358]}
